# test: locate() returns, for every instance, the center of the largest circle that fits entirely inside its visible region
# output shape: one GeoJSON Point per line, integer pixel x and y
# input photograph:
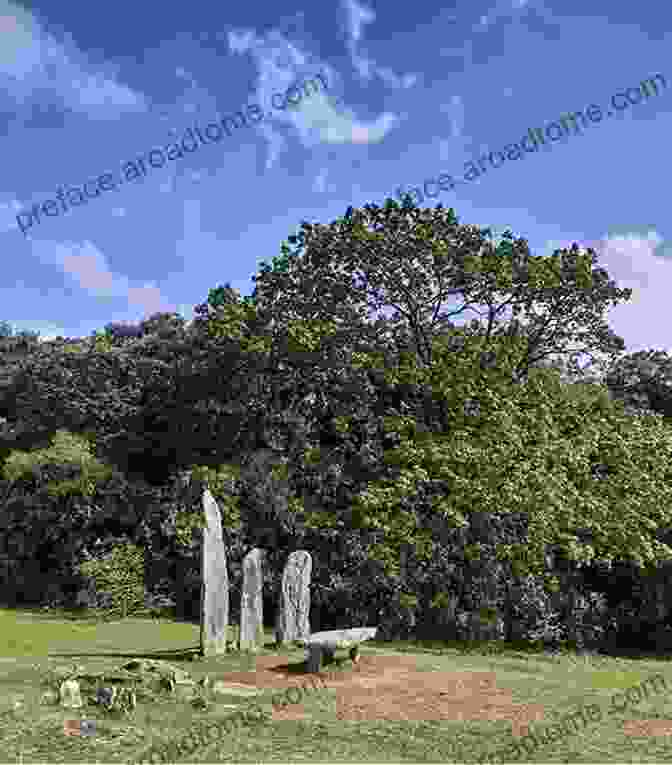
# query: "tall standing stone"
{"type": "Point", "coordinates": [214, 581]}
{"type": "Point", "coordinates": [294, 608]}
{"type": "Point", "coordinates": [252, 602]}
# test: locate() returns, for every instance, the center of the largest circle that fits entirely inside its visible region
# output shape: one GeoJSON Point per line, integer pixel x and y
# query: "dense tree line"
{"type": "Point", "coordinates": [449, 479]}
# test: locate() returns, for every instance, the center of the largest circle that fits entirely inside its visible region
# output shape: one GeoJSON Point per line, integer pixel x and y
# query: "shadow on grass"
{"type": "Point", "coordinates": [182, 654]}
{"type": "Point", "coordinates": [186, 654]}
{"type": "Point", "coordinates": [295, 668]}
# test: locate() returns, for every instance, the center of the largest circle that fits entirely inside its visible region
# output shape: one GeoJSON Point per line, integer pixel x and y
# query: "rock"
{"type": "Point", "coordinates": [106, 696]}
{"type": "Point", "coordinates": [153, 667]}
{"type": "Point", "coordinates": [292, 621]}
{"type": "Point", "coordinates": [344, 638]}
{"type": "Point", "coordinates": [70, 695]}
{"type": "Point", "coordinates": [221, 687]}
{"type": "Point", "coordinates": [214, 582]}
{"type": "Point", "coordinates": [57, 675]}
{"type": "Point", "coordinates": [252, 604]}
{"type": "Point", "coordinates": [131, 698]}
{"type": "Point", "coordinates": [323, 645]}
{"type": "Point", "coordinates": [49, 697]}
{"type": "Point", "coordinates": [185, 689]}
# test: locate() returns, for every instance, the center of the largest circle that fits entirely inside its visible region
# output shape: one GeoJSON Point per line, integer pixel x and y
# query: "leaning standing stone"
{"type": "Point", "coordinates": [294, 608]}
{"type": "Point", "coordinates": [252, 603]}
{"type": "Point", "coordinates": [214, 581]}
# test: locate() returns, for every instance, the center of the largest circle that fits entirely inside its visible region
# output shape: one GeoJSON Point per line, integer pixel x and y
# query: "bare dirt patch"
{"type": "Point", "coordinates": [394, 688]}
{"type": "Point", "coordinates": [645, 728]}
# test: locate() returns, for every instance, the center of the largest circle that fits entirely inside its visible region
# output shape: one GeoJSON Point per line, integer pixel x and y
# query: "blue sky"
{"type": "Point", "coordinates": [413, 92]}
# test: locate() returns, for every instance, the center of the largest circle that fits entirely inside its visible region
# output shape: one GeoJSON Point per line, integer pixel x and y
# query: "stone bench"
{"type": "Point", "coordinates": [321, 646]}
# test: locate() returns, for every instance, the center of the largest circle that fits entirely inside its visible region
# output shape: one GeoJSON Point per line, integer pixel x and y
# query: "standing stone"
{"type": "Point", "coordinates": [214, 581]}
{"type": "Point", "coordinates": [294, 609]}
{"type": "Point", "coordinates": [252, 603]}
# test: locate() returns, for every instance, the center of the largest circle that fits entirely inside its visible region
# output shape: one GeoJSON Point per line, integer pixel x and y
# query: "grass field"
{"type": "Point", "coordinates": [404, 702]}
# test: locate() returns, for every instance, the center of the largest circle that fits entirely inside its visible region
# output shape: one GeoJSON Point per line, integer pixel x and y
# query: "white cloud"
{"type": "Point", "coordinates": [33, 62]}
{"type": "Point", "coordinates": [316, 118]}
{"type": "Point", "coordinates": [358, 16]}
{"type": "Point", "coordinates": [633, 260]}
{"type": "Point", "coordinates": [454, 149]}
{"type": "Point", "coordinates": [86, 265]}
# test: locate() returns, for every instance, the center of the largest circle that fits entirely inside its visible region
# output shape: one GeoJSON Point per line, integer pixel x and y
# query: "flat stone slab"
{"type": "Point", "coordinates": [341, 638]}
{"type": "Point", "coordinates": [323, 645]}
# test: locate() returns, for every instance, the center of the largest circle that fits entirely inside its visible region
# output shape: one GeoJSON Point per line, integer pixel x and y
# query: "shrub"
{"type": "Point", "coordinates": [534, 613]}
{"type": "Point", "coordinates": [121, 576]}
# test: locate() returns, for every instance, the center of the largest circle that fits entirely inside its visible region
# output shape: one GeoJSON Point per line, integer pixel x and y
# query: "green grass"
{"type": "Point", "coordinates": [562, 683]}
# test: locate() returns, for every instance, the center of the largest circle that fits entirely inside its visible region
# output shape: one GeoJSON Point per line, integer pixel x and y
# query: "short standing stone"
{"type": "Point", "coordinates": [71, 697]}
{"type": "Point", "coordinates": [293, 621]}
{"type": "Point", "coordinates": [214, 581]}
{"type": "Point", "coordinates": [252, 603]}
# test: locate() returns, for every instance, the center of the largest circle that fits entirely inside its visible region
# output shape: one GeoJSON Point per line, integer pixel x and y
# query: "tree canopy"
{"type": "Point", "coordinates": [355, 412]}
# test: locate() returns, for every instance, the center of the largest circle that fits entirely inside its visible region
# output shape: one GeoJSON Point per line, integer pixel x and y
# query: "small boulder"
{"type": "Point", "coordinates": [70, 695]}
{"type": "Point", "coordinates": [106, 696]}
{"type": "Point", "coordinates": [49, 697]}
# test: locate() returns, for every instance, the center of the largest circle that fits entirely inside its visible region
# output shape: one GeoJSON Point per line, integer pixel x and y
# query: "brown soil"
{"type": "Point", "coordinates": [645, 728]}
{"type": "Point", "coordinates": [393, 688]}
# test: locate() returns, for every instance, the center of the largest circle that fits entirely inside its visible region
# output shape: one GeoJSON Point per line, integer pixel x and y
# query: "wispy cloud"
{"type": "Point", "coordinates": [280, 64]}
{"type": "Point", "coordinates": [358, 16]}
{"type": "Point", "coordinates": [87, 266]}
{"type": "Point", "coordinates": [35, 67]}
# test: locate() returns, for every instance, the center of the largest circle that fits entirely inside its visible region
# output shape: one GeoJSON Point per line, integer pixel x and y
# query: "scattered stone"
{"type": "Point", "coordinates": [185, 689]}
{"type": "Point", "coordinates": [106, 696]}
{"type": "Point", "coordinates": [252, 604]}
{"type": "Point", "coordinates": [233, 689]}
{"type": "Point", "coordinates": [50, 697]}
{"type": "Point", "coordinates": [214, 581]}
{"type": "Point", "coordinates": [293, 617]}
{"type": "Point", "coordinates": [70, 695]}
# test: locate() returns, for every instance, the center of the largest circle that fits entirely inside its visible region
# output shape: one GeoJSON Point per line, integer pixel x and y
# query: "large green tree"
{"type": "Point", "coordinates": [428, 270]}
{"type": "Point", "coordinates": [570, 458]}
